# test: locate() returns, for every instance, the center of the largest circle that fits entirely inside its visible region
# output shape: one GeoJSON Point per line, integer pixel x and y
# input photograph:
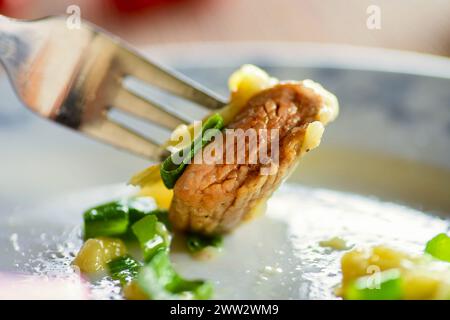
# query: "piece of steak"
{"type": "Point", "coordinates": [214, 197]}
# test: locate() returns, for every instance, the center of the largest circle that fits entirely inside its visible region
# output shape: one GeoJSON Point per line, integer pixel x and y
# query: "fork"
{"type": "Point", "coordinates": [76, 76]}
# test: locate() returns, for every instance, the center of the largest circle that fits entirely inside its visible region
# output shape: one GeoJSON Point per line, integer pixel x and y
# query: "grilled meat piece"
{"type": "Point", "coordinates": [214, 197]}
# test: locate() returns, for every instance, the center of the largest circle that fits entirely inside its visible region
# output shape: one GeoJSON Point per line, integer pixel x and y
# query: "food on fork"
{"type": "Point", "coordinates": [214, 197]}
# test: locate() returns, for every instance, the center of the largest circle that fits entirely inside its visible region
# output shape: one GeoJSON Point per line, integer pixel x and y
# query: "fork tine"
{"type": "Point", "coordinates": [115, 134]}
{"type": "Point", "coordinates": [136, 66]}
{"type": "Point", "coordinates": [138, 106]}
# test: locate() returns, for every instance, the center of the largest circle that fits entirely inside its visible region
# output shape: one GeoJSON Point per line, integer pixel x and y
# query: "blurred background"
{"type": "Point", "coordinates": [409, 103]}
{"type": "Point", "coordinates": [415, 25]}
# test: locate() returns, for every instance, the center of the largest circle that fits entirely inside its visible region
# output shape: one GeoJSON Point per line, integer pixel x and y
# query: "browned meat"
{"type": "Point", "coordinates": [214, 198]}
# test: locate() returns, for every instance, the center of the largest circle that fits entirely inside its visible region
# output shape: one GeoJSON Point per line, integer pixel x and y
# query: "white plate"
{"type": "Point", "coordinates": [390, 143]}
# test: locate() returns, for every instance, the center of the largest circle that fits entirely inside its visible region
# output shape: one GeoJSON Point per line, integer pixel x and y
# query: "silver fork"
{"type": "Point", "coordinates": [75, 77]}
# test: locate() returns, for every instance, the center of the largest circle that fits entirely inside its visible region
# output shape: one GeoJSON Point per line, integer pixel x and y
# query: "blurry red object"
{"type": "Point", "coordinates": [14, 7]}
{"type": "Point", "coordinates": [134, 5]}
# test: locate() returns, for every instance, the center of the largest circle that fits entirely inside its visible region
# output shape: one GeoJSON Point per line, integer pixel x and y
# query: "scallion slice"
{"type": "Point", "coordinates": [196, 242]}
{"type": "Point", "coordinates": [439, 247]}
{"type": "Point", "coordinates": [110, 219]}
{"type": "Point", "coordinates": [158, 280]}
{"type": "Point", "coordinates": [139, 207]}
{"type": "Point", "coordinates": [124, 269]}
{"type": "Point", "coordinates": [152, 235]}
{"type": "Point", "coordinates": [385, 285]}
{"type": "Point", "coordinates": [114, 219]}
{"type": "Point", "coordinates": [171, 171]}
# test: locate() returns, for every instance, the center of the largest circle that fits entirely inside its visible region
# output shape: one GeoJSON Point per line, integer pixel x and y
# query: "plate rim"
{"type": "Point", "coordinates": [306, 54]}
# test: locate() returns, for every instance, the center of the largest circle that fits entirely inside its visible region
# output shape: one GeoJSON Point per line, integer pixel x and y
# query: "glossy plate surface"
{"type": "Point", "coordinates": [384, 162]}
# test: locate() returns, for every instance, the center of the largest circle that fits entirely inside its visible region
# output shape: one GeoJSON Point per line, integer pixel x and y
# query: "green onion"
{"type": "Point", "coordinates": [139, 207]}
{"type": "Point", "coordinates": [124, 269]}
{"type": "Point", "coordinates": [386, 285]}
{"type": "Point", "coordinates": [161, 214]}
{"type": "Point", "coordinates": [110, 219]}
{"type": "Point", "coordinates": [116, 218]}
{"type": "Point", "coordinates": [152, 235]}
{"type": "Point", "coordinates": [196, 242]}
{"type": "Point", "coordinates": [137, 216]}
{"type": "Point", "coordinates": [439, 247]}
{"type": "Point", "coordinates": [170, 171]}
{"type": "Point", "coordinates": [158, 280]}
{"type": "Point", "coordinates": [163, 217]}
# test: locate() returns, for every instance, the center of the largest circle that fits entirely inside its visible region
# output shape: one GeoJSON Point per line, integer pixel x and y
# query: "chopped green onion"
{"type": "Point", "coordinates": [116, 218]}
{"type": "Point", "coordinates": [124, 269]}
{"type": "Point", "coordinates": [171, 171]}
{"type": "Point", "coordinates": [386, 285]}
{"type": "Point", "coordinates": [163, 217]}
{"type": "Point", "coordinates": [152, 235]}
{"type": "Point", "coordinates": [161, 214]}
{"type": "Point", "coordinates": [196, 242]}
{"type": "Point", "coordinates": [150, 227]}
{"type": "Point", "coordinates": [110, 219]}
{"type": "Point", "coordinates": [158, 280]}
{"type": "Point", "coordinates": [439, 247]}
{"type": "Point", "coordinates": [139, 207]}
